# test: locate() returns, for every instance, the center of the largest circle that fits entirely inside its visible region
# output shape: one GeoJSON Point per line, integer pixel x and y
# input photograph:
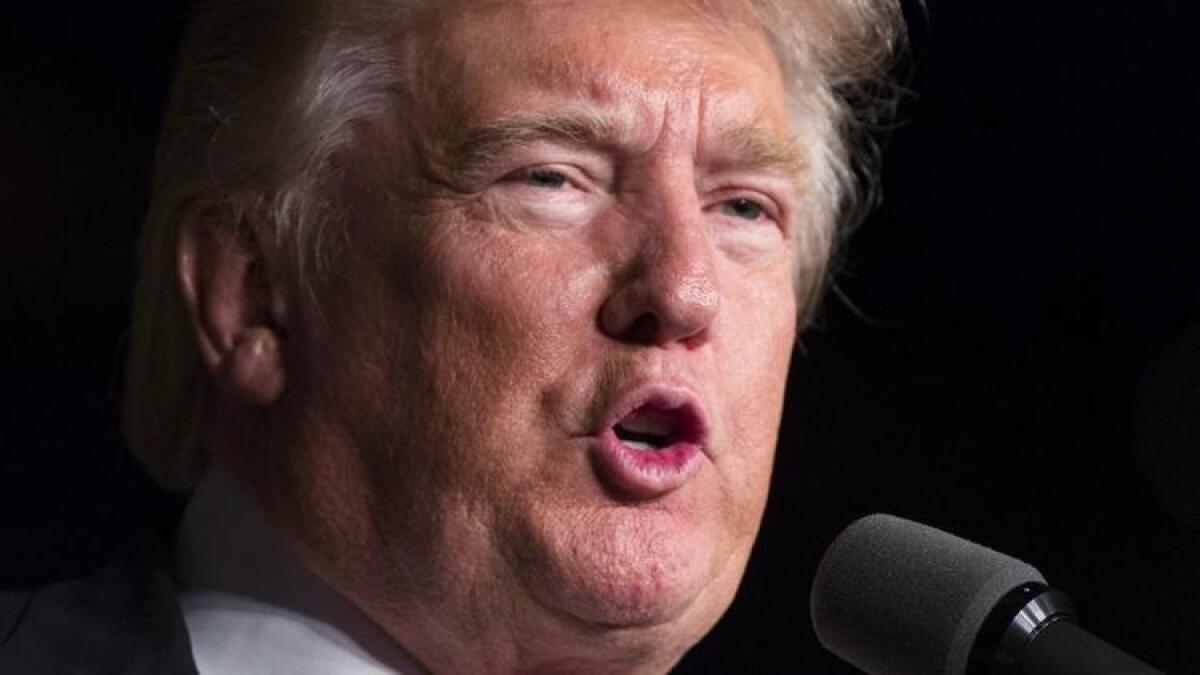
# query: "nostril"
{"type": "Point", "coordinates": [644, 329]}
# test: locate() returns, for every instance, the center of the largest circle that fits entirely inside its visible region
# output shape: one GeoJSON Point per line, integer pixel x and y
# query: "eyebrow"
{"type": "Point", "coordinates": [754, 147]}
{"type": "Point", "coordinates": [582, 129]}
{"type": "Point", "coordinates": [742, 146]}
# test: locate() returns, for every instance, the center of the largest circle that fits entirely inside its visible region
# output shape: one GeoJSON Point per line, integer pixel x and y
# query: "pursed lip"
{"type": "Point", "coordinates": [645, 474]}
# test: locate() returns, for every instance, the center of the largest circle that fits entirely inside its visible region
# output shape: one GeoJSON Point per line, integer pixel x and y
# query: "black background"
{"type": "Point", "coordinates": [1035, 254]}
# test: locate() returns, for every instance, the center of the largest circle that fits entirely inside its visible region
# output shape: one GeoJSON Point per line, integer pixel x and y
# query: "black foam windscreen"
{"type": "Point", "coordinates": [895, 597]}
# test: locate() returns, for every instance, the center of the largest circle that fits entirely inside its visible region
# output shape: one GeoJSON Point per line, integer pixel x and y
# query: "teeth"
{"type": "Point", "coordinates": [640, 446]}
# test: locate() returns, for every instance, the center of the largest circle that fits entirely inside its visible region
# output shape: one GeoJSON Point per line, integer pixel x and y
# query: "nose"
{"type": "Point", "coordinates": [669, 294]}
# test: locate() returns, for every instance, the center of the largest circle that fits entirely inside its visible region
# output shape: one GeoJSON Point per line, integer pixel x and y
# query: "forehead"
{"type": "Point", "coordinates": [631, 59]}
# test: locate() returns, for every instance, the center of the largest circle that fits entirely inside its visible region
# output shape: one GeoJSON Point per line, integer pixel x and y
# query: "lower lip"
{"type": "Point", "coordinates": [645, 474]}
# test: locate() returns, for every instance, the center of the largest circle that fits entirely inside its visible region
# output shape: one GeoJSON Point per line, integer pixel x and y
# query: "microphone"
{"type": "Point", "coordinates": [895, 597]}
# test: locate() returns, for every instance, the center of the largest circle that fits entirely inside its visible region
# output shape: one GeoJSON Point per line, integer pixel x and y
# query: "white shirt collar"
{"type": "Point", "coordinates": [252, 609]}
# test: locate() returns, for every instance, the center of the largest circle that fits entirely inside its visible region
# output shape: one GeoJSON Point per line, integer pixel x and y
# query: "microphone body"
{"type": "Point", "coordinates": [894, 597]}
{"type": "Point", "coordinates": [1063, 648]}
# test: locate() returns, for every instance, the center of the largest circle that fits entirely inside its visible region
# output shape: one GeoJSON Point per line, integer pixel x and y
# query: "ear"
{"type": "Point", "coordinates": [236, 308]}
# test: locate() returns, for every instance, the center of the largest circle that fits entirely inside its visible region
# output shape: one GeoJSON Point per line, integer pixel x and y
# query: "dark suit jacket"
{"type": "Point", "coordinates": [122, 620]}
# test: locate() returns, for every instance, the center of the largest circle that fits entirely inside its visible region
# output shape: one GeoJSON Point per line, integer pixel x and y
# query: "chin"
{"type": "Point", "coordinates": [641, 596]}
{"type": "Point", "coordinates": [632, 568]}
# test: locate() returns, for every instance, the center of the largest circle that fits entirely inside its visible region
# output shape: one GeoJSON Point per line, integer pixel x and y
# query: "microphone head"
{"type": "Point", "coordinates": [894, 597]}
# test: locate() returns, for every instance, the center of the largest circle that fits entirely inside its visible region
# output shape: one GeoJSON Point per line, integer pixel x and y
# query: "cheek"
{"type": "Point", "coordinates": [759, 311]}
{"type": "Point", "coordinates": [514, 307]}
{"type": "Point", "coordinates": [431, 376]}
{"type": "Point", "coordinates": [759, 339]}
{"type": "Point", "coordinates": [503, 321]}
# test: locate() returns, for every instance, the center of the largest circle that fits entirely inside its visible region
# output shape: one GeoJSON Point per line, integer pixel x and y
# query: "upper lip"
{"type": "Point", "coordinates": [694, 428]}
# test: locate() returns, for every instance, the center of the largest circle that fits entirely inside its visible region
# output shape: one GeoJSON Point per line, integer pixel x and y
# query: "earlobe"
{"type": "Point", "coordinates": [236, 310]}
{"type": "Point", "coordinates": [253, 369]}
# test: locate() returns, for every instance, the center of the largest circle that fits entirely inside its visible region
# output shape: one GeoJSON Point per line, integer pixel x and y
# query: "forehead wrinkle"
{"type": "Point", "coordinates": [740, 144]}
{"type": "Point", "coordinates": [614, 111]}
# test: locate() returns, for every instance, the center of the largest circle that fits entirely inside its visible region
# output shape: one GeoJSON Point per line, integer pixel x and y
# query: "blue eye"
{"type": "Point", "coordinates": [747, 209]}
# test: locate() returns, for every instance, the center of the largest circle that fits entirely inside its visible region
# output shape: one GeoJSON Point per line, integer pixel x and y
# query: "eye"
{"type": "Point", "coordinates": [746, 209]}
{"type": "Point", "coordinates": [546, 179]}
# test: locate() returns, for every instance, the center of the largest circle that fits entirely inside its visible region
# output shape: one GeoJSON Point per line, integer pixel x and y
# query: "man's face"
{"type": "Point", "coordinates": [545, 397]}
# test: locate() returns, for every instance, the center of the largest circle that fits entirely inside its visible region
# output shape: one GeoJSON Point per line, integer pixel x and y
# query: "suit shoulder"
{"type": "Point", "coordinates": [12, 606]}
{"type": "Point", "coordinates": [123, 618]}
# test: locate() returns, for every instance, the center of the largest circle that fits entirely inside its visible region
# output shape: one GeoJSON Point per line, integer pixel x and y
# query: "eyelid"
{"type": "Point", "coordinates": [573, 176]}
{"type": "Point", "coordinates": [778, 193]}
{"type": "Point", "coordinates": [771, 207]}
{"type": "Point", "coordinates": [590, 166]}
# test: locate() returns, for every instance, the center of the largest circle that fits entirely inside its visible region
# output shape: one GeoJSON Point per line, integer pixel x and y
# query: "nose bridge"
{"type": "Point", "coordinates": [669, 292]}
{"type": "Point", "coordinates": [678, 259]}
{"type": "Point", "coordinates": [676, 219]}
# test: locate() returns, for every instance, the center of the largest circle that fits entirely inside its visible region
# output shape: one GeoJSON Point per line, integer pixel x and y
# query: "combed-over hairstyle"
{"type": "Point", "coordinates": [269, 93]}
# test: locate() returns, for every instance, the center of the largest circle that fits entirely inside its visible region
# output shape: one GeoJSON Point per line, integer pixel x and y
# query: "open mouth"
{"type": "Point", "coordinates": [653, 442]}
{"type": "Point", "coordinates": [651, 428]}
